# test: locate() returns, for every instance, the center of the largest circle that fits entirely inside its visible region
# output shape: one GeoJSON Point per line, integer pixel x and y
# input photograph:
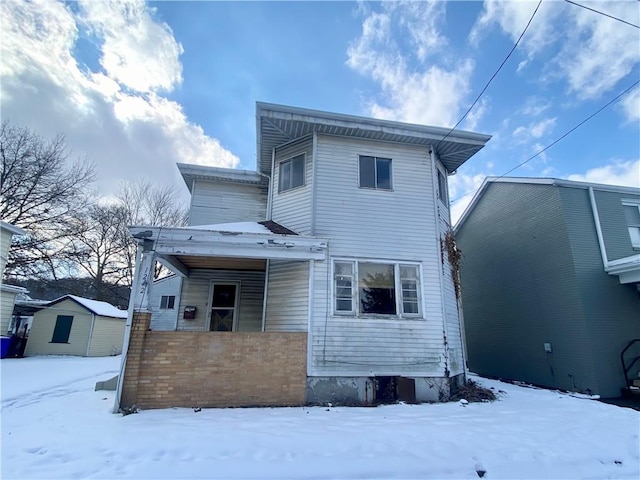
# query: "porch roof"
{"type": "Point", "coordinates": [177, 246]}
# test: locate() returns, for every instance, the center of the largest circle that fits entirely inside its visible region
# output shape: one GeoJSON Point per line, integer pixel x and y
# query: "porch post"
{"type": "Point", "coordinates": [138, 303]}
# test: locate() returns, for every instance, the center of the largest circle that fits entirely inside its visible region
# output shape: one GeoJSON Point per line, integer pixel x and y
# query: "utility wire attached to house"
{"type": "Point", "coordinates": [492, 76]}
{"type": "Point", "coordinates": [618, 97]}
{"type": "Point", "coordinates": [602, 13]}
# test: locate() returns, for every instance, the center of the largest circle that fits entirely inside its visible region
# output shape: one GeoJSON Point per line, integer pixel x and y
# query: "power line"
{"type": "Point", "coordinates": [492, 76]}
{"type": "Point", "coordinates": [602, 13]}
{"type": "Point", "coordinates": [620, 95]}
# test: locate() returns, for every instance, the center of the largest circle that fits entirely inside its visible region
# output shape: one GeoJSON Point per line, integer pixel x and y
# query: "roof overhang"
{"type": "Point", "coordinates": [14, 289]}
{"type": "Point", "coordinates": [192, 172]}
{"type": "Point", "coordinates": [12, 228]}
{"type": "Point", "coordinates": [627, 269]}
{"type": "Point", "coordinates": [170, 244]}
{"type": "Point", "coordinates": [278, 124]}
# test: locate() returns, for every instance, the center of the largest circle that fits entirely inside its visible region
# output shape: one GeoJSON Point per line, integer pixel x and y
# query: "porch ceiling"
{"type": "Point", "coordinates": [193, 262]}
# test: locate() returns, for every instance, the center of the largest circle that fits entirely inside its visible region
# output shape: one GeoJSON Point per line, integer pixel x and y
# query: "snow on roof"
{"type": "Point", "coordinates": [103, 309]}
{"type": "Point", "coordinates": [267, 227]}
{"type": "Point", "coordinates": [239, 227]}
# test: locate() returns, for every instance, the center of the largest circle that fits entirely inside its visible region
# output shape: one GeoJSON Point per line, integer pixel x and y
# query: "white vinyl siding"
{"type": "Point", "coordinates": [454, 334]}
{"type": "Point", "coordinates": [107, 337]}
{"type": "Point", "coordinates": [292, 208]}
{"type": "Point", "coordinates": [161, 318]}
{"type": "Point", "coordinates": [226, 202]}
{"type": "Point", "coordinates": [288, 295]}
{"type": "Point", "coordinates": [7, 300]}
{"type": "Point", "coordinates": [397, 226]}
{"type": "Point", "coordinates": [195, 292]}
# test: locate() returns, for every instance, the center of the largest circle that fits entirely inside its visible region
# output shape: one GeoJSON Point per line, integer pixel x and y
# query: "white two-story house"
{"type": "Point", "coordinates": [323, 276]}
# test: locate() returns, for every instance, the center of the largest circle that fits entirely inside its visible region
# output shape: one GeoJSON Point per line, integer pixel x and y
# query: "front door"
{"type": "Point", "coordinates": [224, 307]}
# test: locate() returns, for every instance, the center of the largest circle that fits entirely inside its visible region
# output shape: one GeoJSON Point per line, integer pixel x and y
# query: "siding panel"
{"type": "Point", "coordinates": [287, 299]}
{"type": "Point", "coordinates": [195, 292]}
{"type": "Point", "coordinates": [107, 337]}
{"type": "Point", "coordinates": [397, 225]}
{"type": "Point", "coordinates": [226, 202]}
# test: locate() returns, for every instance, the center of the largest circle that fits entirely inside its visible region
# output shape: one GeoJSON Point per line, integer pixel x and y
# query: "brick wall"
{"type": "Point", "coordinates": [213, 369]}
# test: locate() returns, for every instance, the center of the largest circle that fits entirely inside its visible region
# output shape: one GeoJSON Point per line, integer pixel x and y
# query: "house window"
{"type": "Point", "coordinates": [291, 173]}
{"type": "Point", "coordinates": [375, 172]}
{"type": "Point", "coordinates": [62, 329]}
{"type": "Point", "coordinates": [376, 288]}
{"type": "Point", "coordinates": [442, 187]}
{"type": "Point", "coordinates": [167, 302]}
{"type": "Point", "coordinates": [632, 215]}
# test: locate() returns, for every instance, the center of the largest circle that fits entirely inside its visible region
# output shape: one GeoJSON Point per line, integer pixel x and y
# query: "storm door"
{"type": "Point", "coordinates": [224, 307]}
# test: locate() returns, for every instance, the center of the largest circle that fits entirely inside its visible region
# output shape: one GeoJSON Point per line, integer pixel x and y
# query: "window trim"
{"type": "Point", "coordinates": [169, 304]}
{"type": "Point", "coordinates": [375, 169]}
{"type": "Point", "coordinates": [631, 203]}
{"type": "Point", "coordinates": [236, 307]}
{"type": "Point", "coordinates": [355, 302]}
{"type": "Point", "coordinates": [290, 160]}
{"type": "Point", "coordinates": [443, 196]}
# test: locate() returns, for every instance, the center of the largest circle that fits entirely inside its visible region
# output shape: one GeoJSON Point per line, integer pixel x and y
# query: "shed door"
{"type": "Point", "coordinates": [224, 307]}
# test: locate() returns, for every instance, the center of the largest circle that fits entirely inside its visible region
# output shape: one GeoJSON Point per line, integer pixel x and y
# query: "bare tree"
{"type": "Point", "coordinates": [152, 206]}
{"type": "Point", "coordinates": [97, 247]}
{"type": "Point", "coordinates": [39, 190]}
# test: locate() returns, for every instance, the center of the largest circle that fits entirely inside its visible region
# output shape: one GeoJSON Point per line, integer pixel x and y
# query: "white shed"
{"type": "Point", "coordinates": [72, 325]}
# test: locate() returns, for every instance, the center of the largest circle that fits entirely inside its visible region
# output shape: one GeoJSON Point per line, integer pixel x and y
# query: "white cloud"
{"type": "Point", "coordinates": [137, 51]}
{"type": "Point", "coordinates": [535, 129]}
{"type": "Point", "coordinates": [631, 104]}
{"type": "Point", "coordinates": [590, 52]}
{"type": "Point", "coordinates": [626, 173]}
{"type": "Point", "coordinates": [599, 51]}
{"type": "Point", "coordinates": [428, 93]}
{"type": "Point", "coordinates": [476, 114]}
{"type": "Point", "coordinates": [512, 17]}
{"type": "Point", "coordinates": [462, 187]}
{"type": "Point", "coordinates": [116, 115]}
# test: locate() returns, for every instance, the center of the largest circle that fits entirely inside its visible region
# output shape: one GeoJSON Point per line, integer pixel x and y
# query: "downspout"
{"type": "Point", "coordinates": [445, 333]}
{"type": "Point", "coordinates": [314, 169]}
{"type": "Point", "coordinates": [596, 219]}
{"type": "Point", "coordinates": [264, 296]}
{"type": "Point", "coordinates": [127, 329]}
{"type": "Point", "coordinates": [310, 306]}
{"type": "Point", "coordinates": [93, 323]}
{"type": "Point", "coordinates": [271, 186]}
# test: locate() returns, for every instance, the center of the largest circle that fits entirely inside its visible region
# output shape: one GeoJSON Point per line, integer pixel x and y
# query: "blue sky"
{"type": "Point", "coordinates": [137, 87]}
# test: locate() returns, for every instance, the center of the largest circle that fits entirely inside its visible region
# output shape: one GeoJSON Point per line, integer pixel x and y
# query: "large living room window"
{"type": "Point", "coordinates": [375, 172]}
{"type": "Point", "coordinates": [370, 288]}
{"type": "Point", "coordinates": [291, 173]}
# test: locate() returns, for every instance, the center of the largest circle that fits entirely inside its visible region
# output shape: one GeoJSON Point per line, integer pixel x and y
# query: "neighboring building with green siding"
{"type": "Point", "coordinates": [74, 325]}
{"type": "Point", "coordinates": [550, 282]}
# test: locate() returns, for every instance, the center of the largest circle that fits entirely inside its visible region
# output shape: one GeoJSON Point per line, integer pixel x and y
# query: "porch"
{"type": "Point", "coordinates": [241, 333]}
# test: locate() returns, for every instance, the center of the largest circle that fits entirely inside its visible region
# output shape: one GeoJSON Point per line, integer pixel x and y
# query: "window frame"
{"type": "Point", "coordinates": [441, 182]}
{"type": "Point", "coordinates": [632, 226]}
{"type": "Point", "coordinates": [167, 302]}
{"type": "Point", "coordinates": [290, 160]}
{"type": "Point", "coordinates": [375, 172]}
{"type": "Point", "coordinates": [57, 329]}
{"type": "Point", "coordinates": [398, 289]}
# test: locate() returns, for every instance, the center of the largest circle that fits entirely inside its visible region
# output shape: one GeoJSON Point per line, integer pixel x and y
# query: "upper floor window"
{"type": "Point", "coordinates": [632, 215]}
{"type": "Point", "coordinates": [167, 302]}
{"type": "Point", "coordinates": [442, 187]}
{"type": "Point", "coordinates": [291, 173]}
{"type": "Point", "coordinates": [376, 288]}
{"type": "Point", "coordinates": [375, 172]}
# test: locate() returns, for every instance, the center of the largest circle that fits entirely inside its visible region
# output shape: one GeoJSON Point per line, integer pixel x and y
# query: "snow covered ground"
{"type": "Point", "coordinates": [55, 426]}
